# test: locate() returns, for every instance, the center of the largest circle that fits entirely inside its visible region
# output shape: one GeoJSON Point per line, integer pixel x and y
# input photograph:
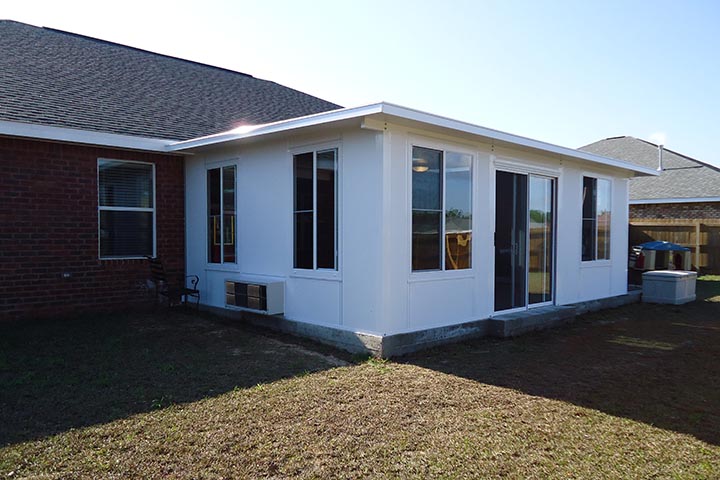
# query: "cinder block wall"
{"type": "Point", "coordinates": [49, 227]}
{"type": "Point", "coordinates": [676, 210]}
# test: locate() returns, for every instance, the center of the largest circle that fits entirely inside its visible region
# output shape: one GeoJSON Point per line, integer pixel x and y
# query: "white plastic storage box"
{"type": "Point", "coordinates": [669, 286]}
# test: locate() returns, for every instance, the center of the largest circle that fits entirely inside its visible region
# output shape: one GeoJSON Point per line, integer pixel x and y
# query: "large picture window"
{"type": "Point", "coordinates": [441, 209]}
{"type": "Point", "coordinates": [221, 215]}
{"type": "Point", "coordinates": [126, 209]}
{"type": "Point", "coordinates": [315, 210]}
{"type": "Point", "coordinates": [596, 216]}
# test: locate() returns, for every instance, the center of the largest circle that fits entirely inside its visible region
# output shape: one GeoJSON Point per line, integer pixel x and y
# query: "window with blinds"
{"type": "Point", "coordinates": [126, 208]}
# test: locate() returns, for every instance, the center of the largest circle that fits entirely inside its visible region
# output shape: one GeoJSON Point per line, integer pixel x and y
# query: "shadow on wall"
{"type": "Point", "coordinates": [651, 363]}
{"type": "Point", "coordinates": [63, 374]}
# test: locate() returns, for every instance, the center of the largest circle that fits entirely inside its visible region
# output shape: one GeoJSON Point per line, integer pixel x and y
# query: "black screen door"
{"type": "Point", "coordinates": [511, 220]}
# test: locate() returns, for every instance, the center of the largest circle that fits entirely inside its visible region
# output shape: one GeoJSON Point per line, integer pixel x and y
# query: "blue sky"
{"type": "Point", "coordinates": [566, 72]}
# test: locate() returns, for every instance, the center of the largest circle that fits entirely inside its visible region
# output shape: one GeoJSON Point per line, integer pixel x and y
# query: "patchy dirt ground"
{"type": "Point", "coordinates": [626, 393]}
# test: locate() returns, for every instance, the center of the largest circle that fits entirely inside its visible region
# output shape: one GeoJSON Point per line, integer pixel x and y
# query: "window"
{"type": "Point", "coordinates": [126, 208]}
{"type": "Point", "coordinates": [221, 215]}
{"type": "Point", "coordinates": [596, 216]}
{"type": "Point", "coordinates": [441, 209]}
{"type": "Point", "coordinates": [315, 210]}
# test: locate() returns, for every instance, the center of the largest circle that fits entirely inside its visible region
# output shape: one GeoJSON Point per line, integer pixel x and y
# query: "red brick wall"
{"type": "Point", "coordinates": [49, 227]}
{"type": "Point", "coordinates": [676, 210]}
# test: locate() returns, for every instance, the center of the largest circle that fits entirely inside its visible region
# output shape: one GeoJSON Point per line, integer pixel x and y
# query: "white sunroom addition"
{"type": "Point", "coordinates": [387, 229]}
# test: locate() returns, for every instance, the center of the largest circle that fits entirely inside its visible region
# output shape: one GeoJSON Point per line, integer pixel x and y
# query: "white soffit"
{"type": "Point", "coordinates": [388, 111]}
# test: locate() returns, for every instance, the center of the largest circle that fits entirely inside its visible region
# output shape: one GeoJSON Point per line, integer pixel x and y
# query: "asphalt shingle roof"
{"type": "Point", "coordinates": [56, 78]}
{"type": "Point", "coordinates": [682, 176]}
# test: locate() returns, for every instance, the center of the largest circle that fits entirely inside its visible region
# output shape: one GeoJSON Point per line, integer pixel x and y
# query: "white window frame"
{"type": "Point", "coordinates": [315, 272]}
{"type": "Point", "coordinates": [213, 166]}
{"type": "Point", "coordinates": [595, 261]}
{"type": "Point", "coordinates": [127, 209]}
{"type": "Point", "coordinates": [433, 144]}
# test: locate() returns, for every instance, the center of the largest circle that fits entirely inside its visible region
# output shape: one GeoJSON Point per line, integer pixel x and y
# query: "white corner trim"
{"type": "Point", "coordinates": [655, 201]}
{"type": "Point", "coordinates": [86, 137]}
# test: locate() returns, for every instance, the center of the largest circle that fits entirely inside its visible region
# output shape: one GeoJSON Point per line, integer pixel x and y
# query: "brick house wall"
{"type": "Point", "coordinates": [49, 228]}
{"type": "Point", "coordinates": [698, 210]}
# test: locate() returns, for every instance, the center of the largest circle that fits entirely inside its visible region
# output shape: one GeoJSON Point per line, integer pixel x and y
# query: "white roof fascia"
{"type": "Point", "coordinates": [275, 127]}
{"type": "Point", "coordinates": [511, 138]}
{"type": "Point", "coordinates": [73, 135]}
{"type": "Point", "coordinates": [655, 201]}
{"type": "Point", "coordinates": [407, 114]}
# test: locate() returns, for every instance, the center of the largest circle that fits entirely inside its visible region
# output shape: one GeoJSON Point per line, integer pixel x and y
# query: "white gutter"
{"type": "Point", "coordinates": [72, 135]}
{"type": "Point", "coordinates": [655, 201]}
{"type": "Point", "coordinates": [406, 114]}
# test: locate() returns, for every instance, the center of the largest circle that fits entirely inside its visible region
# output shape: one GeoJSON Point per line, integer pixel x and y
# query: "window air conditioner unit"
{"type": "Point", "coordinates": [267, 297]}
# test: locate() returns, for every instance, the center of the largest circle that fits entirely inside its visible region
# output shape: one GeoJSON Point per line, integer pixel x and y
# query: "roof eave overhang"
{"type": "Point", "coordinates": [83, 137]}
{"type": "Point", "coordinates": [387, 111]}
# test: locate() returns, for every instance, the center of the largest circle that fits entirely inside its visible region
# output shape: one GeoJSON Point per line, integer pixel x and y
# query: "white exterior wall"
{"type": "Point", "coordinates": [374, 289]}
{"type": "Point", "coordinates": [349, 298]}
{"type": "Point", "coordinates": [423, 300]}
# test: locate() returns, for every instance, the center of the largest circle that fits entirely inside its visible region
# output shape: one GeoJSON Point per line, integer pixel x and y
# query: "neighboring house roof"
{"type": "Point", "coordinates": [374, 117]}
{"type": "Point", "coordinates": [683, 179]}
{"type": "Point", "coordinates": [60, 79]}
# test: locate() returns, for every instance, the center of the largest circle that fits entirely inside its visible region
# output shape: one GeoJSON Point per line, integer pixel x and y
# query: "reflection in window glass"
{"type": "Point", "coordinates": [426, 208]}
{"type": "Point", "coordinates": [304, 180]}
{"type": "Point", "coordinates": [603, 219]}
{"type": "Point", "coordinates": [229, 216]}
{"type": "Point", "coordinates": [596, 219]}
{"type": "Point", "coordinates": [441, 217]}
{"type": "Point", "coordinates": [315, 231]}
{"type": "Point", "coordinates": [458, 210]}
{"type": "Point", "coordinates": [541, 241]}
{"type": "Point", "coordinates": [326, 209]}
{"type": "Point", "coordinates": [221, 214]}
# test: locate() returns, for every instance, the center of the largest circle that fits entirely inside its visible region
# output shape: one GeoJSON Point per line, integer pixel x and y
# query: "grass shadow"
{"type": "Point", "coordinates": [657, 364]}
{"type": "Point", "coordinates": [63, 374]}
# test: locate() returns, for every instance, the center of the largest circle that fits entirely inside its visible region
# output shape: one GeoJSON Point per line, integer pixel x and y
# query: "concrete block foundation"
{"type": "Point", "coordinates": [501, 326]}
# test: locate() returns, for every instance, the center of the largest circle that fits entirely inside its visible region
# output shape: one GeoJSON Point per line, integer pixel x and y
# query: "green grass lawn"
{"type": "Point", "coordinates": [625, 393]}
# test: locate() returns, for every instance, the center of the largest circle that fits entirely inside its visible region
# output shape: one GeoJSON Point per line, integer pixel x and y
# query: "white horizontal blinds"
{"type": "Point", "coordinates": [125, 184]}
{"type": "Point", "coordinates": [126, 209]}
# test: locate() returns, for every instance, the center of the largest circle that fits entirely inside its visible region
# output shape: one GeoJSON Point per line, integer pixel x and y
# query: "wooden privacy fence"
{"type": "Point", "coordinates": [702, 236]}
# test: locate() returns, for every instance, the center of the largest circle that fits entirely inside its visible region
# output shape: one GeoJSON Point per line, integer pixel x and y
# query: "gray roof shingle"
{"type": "Point", "coordinates": [56, 78]}
{"type": "Point", "coordinates": [682, 176]}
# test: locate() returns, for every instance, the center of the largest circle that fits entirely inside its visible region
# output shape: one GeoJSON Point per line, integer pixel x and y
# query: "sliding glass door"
{"type": "Point", "coordinates": [524, 240]}
{"type": "Point", "coordinates": [541, 240]}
